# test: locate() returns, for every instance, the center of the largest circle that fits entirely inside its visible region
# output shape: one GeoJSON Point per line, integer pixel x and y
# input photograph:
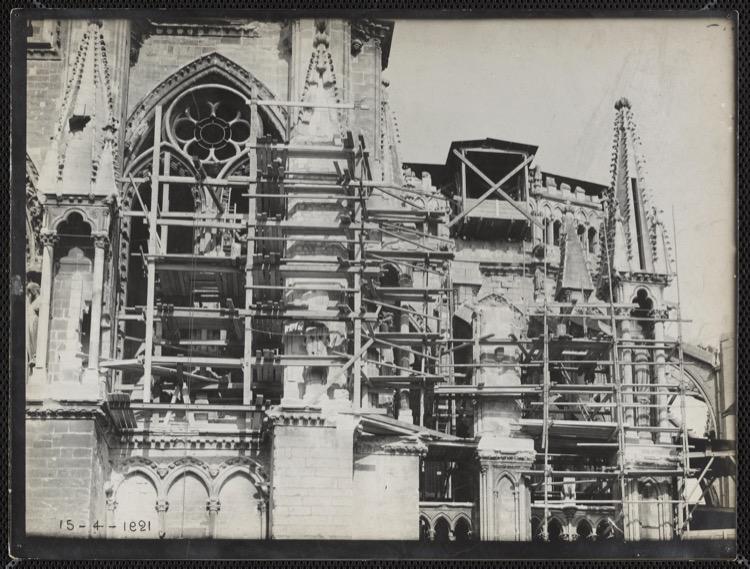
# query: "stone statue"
{"type": "Point", "coordinates": [539, 284]}
{"type": "Point", "coordinates": [33, 298]}
{"type": "Point", "coordinates": [569, 489]}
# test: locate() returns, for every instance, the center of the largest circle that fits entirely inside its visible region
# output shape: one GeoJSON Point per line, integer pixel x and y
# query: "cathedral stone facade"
{"type": "Point", "coordinates": [248, 318]}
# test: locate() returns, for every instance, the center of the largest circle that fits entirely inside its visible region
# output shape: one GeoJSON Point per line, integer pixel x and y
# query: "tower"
{"type": "Point", "coordinates": [72, 314]}
{"type": "Point", "coordinates": [636, 268]}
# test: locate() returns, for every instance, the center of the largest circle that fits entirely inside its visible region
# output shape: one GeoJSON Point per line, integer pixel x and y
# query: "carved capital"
{"type": "Point", "coordinates": [162, 505]}
{"type": "Point", "coordinates": [49, 238]}
{"type": "Point", "coordinates": [111, 504]}
{"type": "Point", "coordinates": [659, 313]}
{"type": "Point", "coordinates": [213, 505]}
{"type": "Point", "coordinates": [101, 241]}
{"type": "Point", "coordinates": [262, 506]}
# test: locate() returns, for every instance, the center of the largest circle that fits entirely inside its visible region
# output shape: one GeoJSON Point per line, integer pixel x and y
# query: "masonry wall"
{"type": "Point", "coordinates": [312, 485]}
{"type": "Point", "coordinates": [188, 479]}
{"type": "Point", "coordinates": [62, 477]}
{"type": "Point", "coordinates": [264, 56]}
{"type": "Point", "coordinates": [496, 265]}
{"type": "Point", "coordinates": [386, 491]}
{"type": "Point", "coordinates": [43, 93]}
{"type": "Point", "coordinates": [72, 281]}
{"type": "Point", "coordinates": [365, 80]}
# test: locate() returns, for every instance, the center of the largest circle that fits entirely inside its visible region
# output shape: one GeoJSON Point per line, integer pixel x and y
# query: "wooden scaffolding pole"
{"type": "Point", "coordinates": [152, 246]}
{"type": "Point", "coordinates": [495, 188]}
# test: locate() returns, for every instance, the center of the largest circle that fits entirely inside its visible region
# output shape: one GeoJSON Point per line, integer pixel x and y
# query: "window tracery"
{"type": "Point", "coordinates": [211, 124]}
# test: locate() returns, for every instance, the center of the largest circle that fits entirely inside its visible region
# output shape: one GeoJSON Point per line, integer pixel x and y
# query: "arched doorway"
{"type": "Point", "coordinates": [585, 531]}
{"type": "Point", "coordinates": [443, 532]}
{"type": "Point", "coordinates": [462, 530]}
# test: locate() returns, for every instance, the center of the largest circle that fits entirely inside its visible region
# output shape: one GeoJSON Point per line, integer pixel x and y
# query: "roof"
{"type": "Point", "coordinates": [443, 173]}
{"type": "Point", "coordinates": [488, 143]}
{"type": "Point", "coordinates": [383, 425]}
{"type": "Point", "coordinates": [591, 188]}
{"type": "Point", "coordinates": [574, 274]}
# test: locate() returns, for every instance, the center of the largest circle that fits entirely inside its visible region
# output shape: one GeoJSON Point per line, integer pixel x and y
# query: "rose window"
{"type": "Point", "coordinates": [210, 124]}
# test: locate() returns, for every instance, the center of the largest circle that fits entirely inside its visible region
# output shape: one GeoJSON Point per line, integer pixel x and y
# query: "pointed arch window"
{"type": "Point", "coordinates": [593, 241]}
{"type": "Point", "coordinates": [196, 135]}
{"type": "Point", "coordinates": [556, 232]}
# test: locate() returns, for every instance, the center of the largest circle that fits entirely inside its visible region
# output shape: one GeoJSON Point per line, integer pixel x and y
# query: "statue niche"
{"type": "Point", "coordinates": [317, 341]}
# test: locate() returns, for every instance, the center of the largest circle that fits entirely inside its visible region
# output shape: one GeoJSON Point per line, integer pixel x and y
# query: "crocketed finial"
{"type": "Point", "coordinates": [623, 102]}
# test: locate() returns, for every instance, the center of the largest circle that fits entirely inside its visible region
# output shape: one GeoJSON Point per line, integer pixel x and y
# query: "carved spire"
{"type": "Point", "coordinates": [635, 238]}
{"type": "Point", "coordinates": [573, 279]}
{"type": "Point", "coordinates": [34, 219]}
{"type": "Point", "coordinates": [320, 123]}
{"type": "Point", "coordinates": [84, 151]}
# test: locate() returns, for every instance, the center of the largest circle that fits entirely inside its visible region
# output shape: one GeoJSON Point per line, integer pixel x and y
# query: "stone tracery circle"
{"type": "Point", "coordinates": [209, 123]}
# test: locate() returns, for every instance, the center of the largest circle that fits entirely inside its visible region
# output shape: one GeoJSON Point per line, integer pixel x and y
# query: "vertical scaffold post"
{"type": "Point", "coordinates": [247, 360]}
{"type": "Point", "coordinates": [357, 320]}
{"type": "Point", "coordinates": [683, 525]}
{"type": "Point", "coordinates": [546, 420]}
{"type": "Point", "coordinates": [618, 386]}
{"type": "Point", "coordinates": [152, 244]}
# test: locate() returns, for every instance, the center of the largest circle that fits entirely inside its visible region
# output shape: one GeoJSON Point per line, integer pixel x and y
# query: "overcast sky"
{"type": "Point", "coordinates": [554, 83]}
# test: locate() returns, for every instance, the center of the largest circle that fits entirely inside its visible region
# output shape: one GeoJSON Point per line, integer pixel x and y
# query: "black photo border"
{"type": "Point", "coordinates": [35, 551]}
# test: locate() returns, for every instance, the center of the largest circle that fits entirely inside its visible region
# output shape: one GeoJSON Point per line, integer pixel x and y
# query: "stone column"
{"type": "Point", "coordinates": [161, 509]}
{"type": "Point", "coordinates": [661, 379]}
{"type": "Point", "coordinates": [213, 506]}
{"type": "Point", "coordinates": [627, 375]}
{"type": "Point", "coordinates": [262, 511]}
{"type": "Point", "coordinates": [101, 244]}
{"type": "Point", "coordinates": [404, 358]}
{"type": "Point", "coordinates": [643, 399]}
{"type": "Point", "coordinates": [550, 232]}
{"type": "Point", "coordinates": [109, 520]}
{"type": "Point", "coordinates": [49, 239]}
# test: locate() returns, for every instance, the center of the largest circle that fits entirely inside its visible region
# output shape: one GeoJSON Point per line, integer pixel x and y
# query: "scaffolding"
{"type": "Point", "coordinates": [207, 346]}
{"type": "Point", "coordinates": [209, 330]}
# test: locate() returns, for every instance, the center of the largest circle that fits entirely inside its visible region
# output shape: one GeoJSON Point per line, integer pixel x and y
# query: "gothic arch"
{"type": "Point", "coordinates": [197, 71]}
{"type": "Point", "coordinates": [647, 294]}
{"type": "Point", "coordinates": [536, 528]}
{"type": "Point", "coordinates": [65, 217]}
{"type": "Point", "coordinates": [425, 527]}
{"type": "Point", "coordinates": [703, 395]}
{"type": "Point", "coordinates": [436, 526]}
{"type": "Point", "coordinates": [555, 526]}
{"type": "Point", "coordinates": [184, 470]}
{"type": "Point", "coordinates": [137, 470]}
{"type": "Point", "coordinates": [505, 474]}
{"type": "Point", "coordinates": [585, 529]}
{"type": "Point", "coordinates": [242, 466]}
{"type": "Point", "coordinates": [652, 485]}
{"type": "Point", "coordinates": [458, 518]}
